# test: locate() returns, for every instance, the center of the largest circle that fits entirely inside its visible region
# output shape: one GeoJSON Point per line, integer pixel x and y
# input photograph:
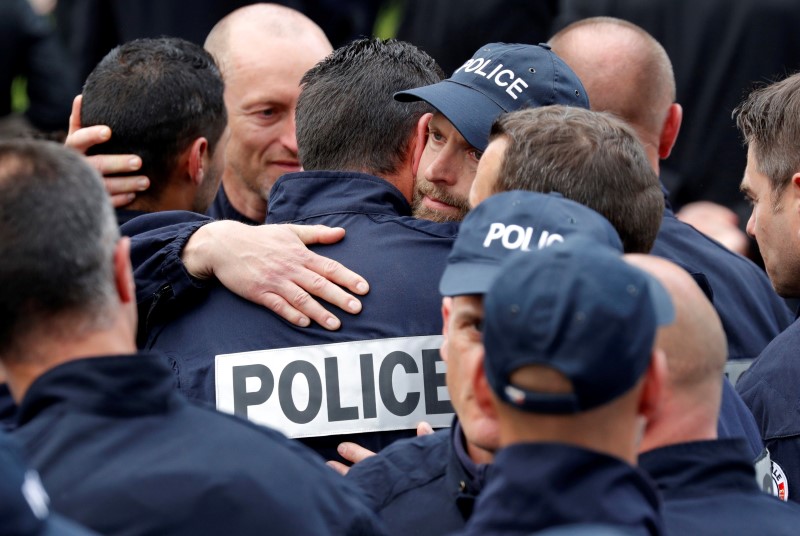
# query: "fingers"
{"type": "Point", "coordinates": [331, 270]}
{"type": "Point", "coordinates": [81, 140]}
{"type": "Point", "coordinates": [424, 428]}
{"type": "Point", "coordinates": [340, 468]}
{"type": "Point", "coordinates": [126, 185]}
{"type": "Point", "coordinates": [75, 115]}
{"type": "Point", "coordinates": [121, 200]}
{"type": "Point", "coordinates": [353, 452]}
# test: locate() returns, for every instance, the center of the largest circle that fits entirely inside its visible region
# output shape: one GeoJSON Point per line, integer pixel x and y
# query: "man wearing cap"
{"type": "Point", "coordinates": [571, 372]}
{"type": "Point", "coordinates": [633, 202]}
{"type": "Point", "coordinates": [708, 484]}
{"type": "Point", "coordinates": [428, 485]}
{"type": "Point", "coordinates": [118, 449]}
{"type": "Point", "coordinates": [498, 78]}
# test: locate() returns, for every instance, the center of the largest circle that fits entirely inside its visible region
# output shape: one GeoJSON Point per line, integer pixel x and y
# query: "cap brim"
{"type": "Point", "coordinates": [467, 278]}
{"type": "Point", "coordinates": [470, 111]}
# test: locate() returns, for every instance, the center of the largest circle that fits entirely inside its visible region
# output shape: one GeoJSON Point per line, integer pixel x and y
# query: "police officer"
{"type": "Point", "coordinates": [752, 314]}
{"type": "Point", "coordinates": [571, 369]}
{"type": "Point", "coordinates": [708, 484]}
{"type": "Point", "coordinates": [117, 447]}
{"type": "Point", "coordinates": [360, 149]}
{"type": "Point", "coordinates": [24, 508]}
{"type": "Point", "coordinates": [498, 78]}
{"type": "Point", "coordinates": [512, 161]}
{"type": "Point", "coordinates": [132, 90]}
{"type": "Point", "coordinates": [428, 485]}
{"type": "Point", "coordinates": [768, 122]}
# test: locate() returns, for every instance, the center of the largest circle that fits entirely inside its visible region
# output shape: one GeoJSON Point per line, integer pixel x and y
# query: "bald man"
{"type": "Point", "coordinates": [707, 483]}
{"type": "Point", "coordinates": [633, 79]}
{"type": "Point", "coordinates": [263, 50]}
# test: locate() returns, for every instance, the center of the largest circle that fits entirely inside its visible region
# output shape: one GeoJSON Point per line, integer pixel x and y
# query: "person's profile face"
{"type": "Point", "coordinates": [775, 224]}
{"type": "Point", "coordinates": [488, 171]}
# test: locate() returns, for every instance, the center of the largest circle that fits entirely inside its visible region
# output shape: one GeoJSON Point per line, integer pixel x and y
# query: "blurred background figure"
{"type": "Point", "coordinates": [33, 60]}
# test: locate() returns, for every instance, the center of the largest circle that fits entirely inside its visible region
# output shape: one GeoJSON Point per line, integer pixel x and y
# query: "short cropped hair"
{"type": "Point", "coordinates": [347, 118]}
{"type": "Point", "coordinates": [158, 96]}
{"type": "Point", "coordinates": [57, 238]}
{"type": "Point", "coordinates": [592, 158]}
{"type": "Point", "coordinates": [769, 120]}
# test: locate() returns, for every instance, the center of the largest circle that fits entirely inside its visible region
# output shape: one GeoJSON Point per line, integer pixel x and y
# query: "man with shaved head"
{"type": "Point", "coordinates": [263, 50]}
{"type": "Point", "coordinates": [627, 72]}
{"type": "Point", "coordinates": [708, 484]}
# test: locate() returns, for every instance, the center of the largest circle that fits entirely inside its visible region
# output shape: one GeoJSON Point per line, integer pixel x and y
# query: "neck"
{"type": "Point", "coordinates": [479, 455]}
{"type": "Point", "coordinates": [681, 423]}
{"type": "Point", "coordinates": [244, 200]}
{"type": "Point", "coordinates": [49, 351]}
{"type": "Point", "coordinates": [615, 436]}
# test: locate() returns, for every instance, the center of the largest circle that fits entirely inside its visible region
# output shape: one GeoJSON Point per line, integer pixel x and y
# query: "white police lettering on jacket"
{"type": "Point", "coordinates": [517, 237]}
{"type": "Point", "coordinates": [496, 73]}
{"type": "Point", "coordinates": [342, 388]}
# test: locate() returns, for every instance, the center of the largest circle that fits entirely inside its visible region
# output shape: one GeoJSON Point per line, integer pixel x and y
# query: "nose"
{"type": "Point", "coordinates": [442, 169]}
{"type": "Point", "coordinates": [289, 135]}
{"type": "Point", "coordinates": [751, 224]}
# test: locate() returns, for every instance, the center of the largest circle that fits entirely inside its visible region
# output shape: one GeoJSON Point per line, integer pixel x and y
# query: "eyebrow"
{"type": "Point", "coordinates": [745, 189]}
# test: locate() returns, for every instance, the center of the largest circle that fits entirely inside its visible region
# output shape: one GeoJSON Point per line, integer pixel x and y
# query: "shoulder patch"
{"type": "Point", "coordinates": [780, 486]}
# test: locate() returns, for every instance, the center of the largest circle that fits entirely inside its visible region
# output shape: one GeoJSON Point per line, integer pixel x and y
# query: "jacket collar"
{"type": "Point", "coordinates": [122, 385]}
{"type": "Point", "coordinates": [532, 486]}
{"type": "Point", "coordinates": [700, 468]}
{"type": "Point", "coordinates": [296, 196]}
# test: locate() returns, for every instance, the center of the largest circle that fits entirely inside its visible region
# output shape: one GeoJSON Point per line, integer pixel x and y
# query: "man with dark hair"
{"type": "Point", "coordinates": [589, 157]}
{"type": "Point", "coordinates": [162, 99]}
{"type": "Point", "coordinates": [118, 449]}
{"type": "Point", "coordinates": [360, 149]}
{"type": "Point", "coordinates": [768, 121]}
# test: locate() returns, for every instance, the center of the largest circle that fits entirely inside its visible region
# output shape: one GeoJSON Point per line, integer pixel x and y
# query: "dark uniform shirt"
{"type": "Point", "coordinates": [424, 485]}
{"type": "Point", "coordinates": [222, 209]}
{"type": "Point", "coordinates": [121, 451]}
{"type": "Point", "coordinates": [708, 488]}
{"type": "Point", "coordinates": [401, 257]}
{"type": "Point", "coordinates": [771, 390]}
{"type": "Point", "coordinates": [535, 486]}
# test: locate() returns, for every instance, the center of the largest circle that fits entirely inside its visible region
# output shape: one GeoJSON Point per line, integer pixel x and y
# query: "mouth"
{"type": "Point", "coordinates": [436, 204]}
{"type": "Point", "coordinates": [288, 165]}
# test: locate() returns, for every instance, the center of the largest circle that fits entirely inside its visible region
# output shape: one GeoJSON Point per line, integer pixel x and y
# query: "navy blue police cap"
{"type": "Point", "coordinates": [579, 309]}
{"type": "Point", "coordinates": [512, 221]}
{"type": "Point", "coordinates": [500, 78]}
{"type": "Point", "coordinates": [23, 502]}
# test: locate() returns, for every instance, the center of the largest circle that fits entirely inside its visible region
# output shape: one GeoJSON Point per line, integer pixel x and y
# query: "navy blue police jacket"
{"type": "Point", "coordinates": [771, 390]}
{"type": "Point", "coordinates": [708, 487]}
{"type": "Point", "coordinates": [401, 257]}
{"type": "Point", "coordinates": [424, 485]}
{"type": "Point", "coordinates": [752, 313]}
{"type": "Point", "coordinates": [534, 486]}
{"type": "Point", "coordinates": [122, 452]}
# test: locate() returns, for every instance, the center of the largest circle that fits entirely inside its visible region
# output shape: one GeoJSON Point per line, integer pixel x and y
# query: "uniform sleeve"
{"type": "Point", "coordinates": [157, 241]}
